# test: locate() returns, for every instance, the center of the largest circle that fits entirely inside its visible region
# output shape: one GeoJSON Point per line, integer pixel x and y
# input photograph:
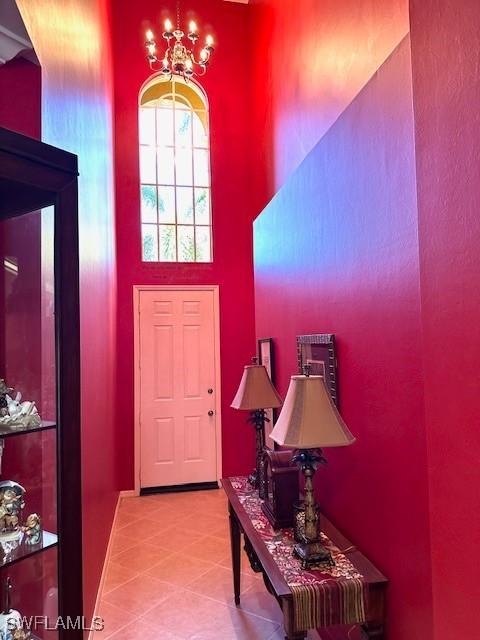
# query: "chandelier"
{"type": "Point", "coordinates": [178, 58]}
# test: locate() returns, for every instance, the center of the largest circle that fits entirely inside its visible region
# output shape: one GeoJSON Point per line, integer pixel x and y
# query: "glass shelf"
{"type": "Point", "coordinates": [6, 432]}
{"type": "Point", "coordinates": [22, 550]}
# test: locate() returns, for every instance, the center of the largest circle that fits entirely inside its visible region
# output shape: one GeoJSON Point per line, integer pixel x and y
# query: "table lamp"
{"type": "Point", "coordinates": [308, 422]}
{"type": "Point", "coordinates": [255, 394]}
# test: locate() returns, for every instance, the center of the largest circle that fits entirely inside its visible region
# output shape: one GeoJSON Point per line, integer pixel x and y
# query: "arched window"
{"type": "Point", "coordinates": [175, 172]}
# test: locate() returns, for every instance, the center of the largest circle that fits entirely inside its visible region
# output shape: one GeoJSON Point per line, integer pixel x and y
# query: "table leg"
{"type": "Point", "coordinates": [374, 631]}
{"type": "Point", "coordinates": [236, 550]}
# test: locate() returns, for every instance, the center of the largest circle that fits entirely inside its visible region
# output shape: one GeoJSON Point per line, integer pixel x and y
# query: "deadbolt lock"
{"type": "Point", "coordinates": [210, 391]}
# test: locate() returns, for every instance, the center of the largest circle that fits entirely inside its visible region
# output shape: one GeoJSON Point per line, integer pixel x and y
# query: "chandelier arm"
{"type": "Point", "coordinates": [200, 62]}
{"type": "Point", "coordinates": [154, 68]}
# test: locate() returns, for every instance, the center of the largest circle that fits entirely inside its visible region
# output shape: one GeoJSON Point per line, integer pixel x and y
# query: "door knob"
{"type": "Point", "coordinates": [210, 413]}
{"type": "Point", "coordinates": [210, 391]}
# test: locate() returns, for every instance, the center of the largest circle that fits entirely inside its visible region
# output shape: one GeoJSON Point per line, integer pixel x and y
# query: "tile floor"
{"type": "Point", "coordinates": [169, 575]}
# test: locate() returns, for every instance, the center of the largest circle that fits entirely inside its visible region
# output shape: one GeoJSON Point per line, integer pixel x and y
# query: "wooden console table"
{"type": "Point", "coordinates": [371, 616]}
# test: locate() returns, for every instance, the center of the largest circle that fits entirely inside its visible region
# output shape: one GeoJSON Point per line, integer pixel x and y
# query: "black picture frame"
{"type": "Point", "coordinates": [266, 356]}
{"type": "Point", "coordinates": [319, 351]}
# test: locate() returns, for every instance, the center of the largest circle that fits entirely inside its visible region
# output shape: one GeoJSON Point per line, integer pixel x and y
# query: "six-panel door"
{"type": "Point", "coordinates": [177, 388]}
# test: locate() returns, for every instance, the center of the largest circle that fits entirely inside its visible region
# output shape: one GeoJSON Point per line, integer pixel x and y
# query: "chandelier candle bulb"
{"type": "Point", "coordinates": [149, 35]}
{"type": "Point", "coordinates": [209, 41]}
{"type": "Point", "coordinates": [188, 67]}
{"type": "Point", "coordinates": [193, 35]}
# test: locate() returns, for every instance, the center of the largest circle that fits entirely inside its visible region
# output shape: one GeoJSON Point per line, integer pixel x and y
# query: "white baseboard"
{"type": "Point", "coordinates": [107, 556]}
{"type": "Point", "coordinates": [131, 493]}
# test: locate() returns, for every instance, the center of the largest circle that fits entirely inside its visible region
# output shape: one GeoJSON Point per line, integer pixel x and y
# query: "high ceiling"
{"type": "Point", "coordinates": [14, 39]}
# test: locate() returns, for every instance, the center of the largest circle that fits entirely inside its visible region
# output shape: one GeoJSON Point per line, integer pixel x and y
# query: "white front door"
{"type": "Point", "coordinates": [177, 344]}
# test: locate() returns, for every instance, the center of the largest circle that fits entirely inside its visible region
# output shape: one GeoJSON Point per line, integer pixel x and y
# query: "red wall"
{"type": "Point", "coordinates": [446, 60]}
{"type": "Point", "coordinates": [311, 58]}
{"type": "Point", "coordinates": [226, 86]}
{"type": "Point", "coordinates": [336, 250]}
{"type": "Point", "coordinates": [72, 40]}
{"type": "Point", "coordinates": [20, 87]}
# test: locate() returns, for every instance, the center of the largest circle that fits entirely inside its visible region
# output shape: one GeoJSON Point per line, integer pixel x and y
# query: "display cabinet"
{"type": "Point", "coordinates": [40, 483]}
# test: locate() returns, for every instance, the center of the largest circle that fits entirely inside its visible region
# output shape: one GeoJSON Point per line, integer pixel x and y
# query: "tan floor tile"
{"type": "Point", "coordinates": [198, 618]}
{"type": "Point", "coordinates": [217, 583]}
{"type": "Point", "coordinates": [209, 548]}
{"type": "Point", "coordinates": [179, 569]}
{"type": "Point", "coordinates": [141, 557]}
{"type": "Point", "coordinates": [117, 575]}
{"type": "Point", "coordinates": [137, 507]}
{"type": "Point", "coordinates": [138, 630]}
{"type": "Point", "coordinates": [278, 634]}
{"type": "Point", "coordinates": [201, 523]}
{"type": "Point", "coordinates": [215, 508]}
{"type": "Point", "coordinates": [180, 543]}
{"type": "Point", "coordinates": [125, 517]}
{"type": "Point", "coordinates": [113, 618]}
{"type": "Point", "coordinates": [185, 613]}
{"type": "Point", "coordinates": [120, 543]}
{"type": "Point", "coordinates": [169, 539]}
{"type": "Point", "coordinates": [238, 625]}
{"type": "Point", "coordinates": [144, 528]}
{"type": "Point", "coordinates": [223, 529]}
{"type": "Point", "coordinates": [139, 595]}
{"type": "Point", "coordinates": [258, 601]}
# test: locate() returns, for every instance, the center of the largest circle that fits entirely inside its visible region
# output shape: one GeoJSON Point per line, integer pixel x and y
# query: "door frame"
{"type": "Point", "coordinates": [137, 289]}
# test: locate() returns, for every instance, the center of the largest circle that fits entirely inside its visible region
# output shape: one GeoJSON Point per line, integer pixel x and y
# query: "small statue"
{"type": "Point", "coordinates": [11, 620]}
{"type": "Point", "coordinates": [11, 505]}
{"type": "Point", "coordinates": [20, 415]}
{"type": "Point", "coordinates": [32, 529]}
{"type": "Point", "coordinates": [4, 391]}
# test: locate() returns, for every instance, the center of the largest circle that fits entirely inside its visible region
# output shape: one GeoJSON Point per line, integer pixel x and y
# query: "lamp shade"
{"type": "Point", "coordinates": [256, 390]}
{"type": "Point", "coordinates": [309, 419]}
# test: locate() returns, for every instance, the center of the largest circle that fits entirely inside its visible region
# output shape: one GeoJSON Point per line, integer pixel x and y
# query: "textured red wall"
{"type": "Point", "coordinates": [310, 60]}
{"type": "Point", "coordinates": [446, 62]}
{"type": "Point", "coordinates": [336, 251]}
{"type": "Point", "coordinates": [226, 86]}
{"type": "Point", "coordinates": [72, 40]}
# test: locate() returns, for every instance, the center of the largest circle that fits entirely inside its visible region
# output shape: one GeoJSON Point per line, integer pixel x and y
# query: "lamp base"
{"type": "Point", "coordinates": [312, 553]}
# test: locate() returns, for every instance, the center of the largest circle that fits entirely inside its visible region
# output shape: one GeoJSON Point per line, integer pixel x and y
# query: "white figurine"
{"type": "Point", "coordinates": [20, 415]}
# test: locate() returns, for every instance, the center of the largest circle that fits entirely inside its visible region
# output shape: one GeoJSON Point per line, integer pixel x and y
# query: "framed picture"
{"type": "Point", "coordinates": [266, 357]}
{"type": "Point", "coordinates": [318, 350]}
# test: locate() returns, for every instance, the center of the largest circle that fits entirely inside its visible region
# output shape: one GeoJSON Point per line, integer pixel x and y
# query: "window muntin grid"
{"type": "Point", "coordinates": [175, 189]}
